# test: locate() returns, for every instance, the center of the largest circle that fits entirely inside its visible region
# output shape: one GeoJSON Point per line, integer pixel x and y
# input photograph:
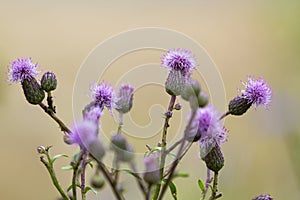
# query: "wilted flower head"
{"type": "Point", "coordinates": [212, 130]}
{"type": "Point", "coordinates": [123, 101]}
{"type": "Point", "coordinates": [263, 197]}
{"type": "Point", "coordinates": [102, 93]}
{"type": "Point", "coordinates": [22, 69]}
{"type": "Point", "coordinates": [180, 60]}
{"type": "Point", "coordinates": [93, 114]}
{"type": "Point", "coordinates": [257, 92]}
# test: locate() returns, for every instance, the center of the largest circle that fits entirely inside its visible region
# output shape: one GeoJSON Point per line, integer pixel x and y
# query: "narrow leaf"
{"type": "Point", "coordinates": [173, 190]}
{"type": "Point", "coordinates": [180, 175]}
{"type": "Point", "coordinates": [89, 188]}
{"type": "Point", "coordinates": [129, 172]}
{"type": "Point", "coordinates": [58, 156]}
{"type": "Point", "coordinates": [68, 167]}
{"type": "Point", "coordinates": [201, 185]}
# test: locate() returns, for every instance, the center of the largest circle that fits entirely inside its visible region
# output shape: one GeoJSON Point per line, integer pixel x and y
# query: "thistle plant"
{"type": "Point", "coordinates": [204, 128]}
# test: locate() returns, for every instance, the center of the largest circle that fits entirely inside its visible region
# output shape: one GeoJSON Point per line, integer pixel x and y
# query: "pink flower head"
{"type": "Point", "coordinates": [180, 60]}
{"type": "Point", "coordinates": [102, 93]}
{"type": "Point", "coordinates": [21, 69]}
{"type": "Point", "coordinates": [257, 92]}
{"type": "Point", "coordinates": [212, 130]}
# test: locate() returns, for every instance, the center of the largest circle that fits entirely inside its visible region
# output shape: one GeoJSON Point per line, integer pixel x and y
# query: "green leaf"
{"type": "Point", "coordinates": [68, 167]}
{"type": "Point", "coordinates": [201, 185]}
{"type": "Point", "coordinates": [179, 175]}
{"type": "Point", "coordinates": [129, 172]}
{"type": "Point", "coordinates": [71, 186]}
{"type": "Point", "coordinates": [173, 190]}
{"type": "Point", "coordinates": [154, 149]}
{"type": "Point", "coordinates": [89, 188]}
{"type": "Point", "coordinates": [58, 156]}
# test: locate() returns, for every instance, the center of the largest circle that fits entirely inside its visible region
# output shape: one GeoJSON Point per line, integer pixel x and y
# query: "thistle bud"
{"type": "Point", "coordinates": [202, 99]}
{"type": "Point", "coordinates": [191, 89]}
{"type": "Point", "coordinates": [175, 83]}
{"type": "Point", "coordinates": [41, 150]}
{"type": "Point", "coordinates": [238, 105]}
{"type": "Point", "coordinates": [214, 159]}
{"type": "Point", "coordinates": [49, 81]}
{"type": "Point", "coordinates": [32, 90]}
{"type": "Point", "coordinates": [152, 173]}
{"type": "Point", "coordinates": [123, 150]}
{"type": "Point", "coordinates": [263, 197]}
{"type": "Point", "coordinates": [97, 181]}
{"type": "Point", "coordinates": [124, 99]}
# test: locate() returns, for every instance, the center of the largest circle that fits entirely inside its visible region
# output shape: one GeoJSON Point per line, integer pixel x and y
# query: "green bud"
{"type": "Point", "coordinates": [49, 81]}
{"type": "Point", "coordinates": [214, 159]}
{"type": "Point", "coordinates": [191, 89]}
{"type": "Point", "coordinates": [32, 90]}
{"type": "Point", "coordinates": [202, 99]}
{"type": "Point", "coordinates": [175, 83]}
{"type": "Point", "coordinates": [97, 181]}
{"type": "Point", "coordinates": [238, 106]}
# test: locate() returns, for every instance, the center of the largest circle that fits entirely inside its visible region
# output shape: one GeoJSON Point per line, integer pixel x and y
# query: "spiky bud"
{"type": "Point", "coordinates": [122, 149]}
{"type": "Point", "coordinates": [175, 82]}
{"type": "Point", "coordinates": [124, 99]}
{"type": "Point", "coordinates": [152, 173]}
{"type": "Point", "coordinates": [191, 89]}
{"type": "Point", "coordinates": [49, 81]}
{"type": "Point", "coordinates": [33, 91]}
{"type": "Point", "coordinates": [214, 159]}
{"type": "Point", "coordinates": [263, 197]}
{"type": "Point", "coordinates": [238, 105]}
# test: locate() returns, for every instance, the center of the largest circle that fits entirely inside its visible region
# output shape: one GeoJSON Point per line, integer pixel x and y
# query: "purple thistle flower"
{"type": "Point", "coordinates": [257, 92]}
{"type": "Point", "coordinates": [21, 69]}
{"type": "Point", "coordinates": [212, 130]}
{"type": "Point", "coordinates": [263, 197]}
{"type": "Point", "coordinates": [83, 132]}
{"type": "Point", "coordinates": [123, 102]}
{"type": "Point", "coordinates": [102, 93]}
{"type": "Point", "coordinates": [179, 60]}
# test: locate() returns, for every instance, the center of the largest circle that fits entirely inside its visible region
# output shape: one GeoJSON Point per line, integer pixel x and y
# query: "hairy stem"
{"type": "Point", "coordinates": [83, 167]}
{"type": "Point", "coordinates": [168, 115]}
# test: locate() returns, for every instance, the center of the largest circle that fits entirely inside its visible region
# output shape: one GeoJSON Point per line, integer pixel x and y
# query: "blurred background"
{"type": "Point", "coordinates": [260, 38]}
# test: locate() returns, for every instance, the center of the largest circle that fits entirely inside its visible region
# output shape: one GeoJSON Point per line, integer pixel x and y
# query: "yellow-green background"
{"type": "Point", "coordinates": [242, 37]}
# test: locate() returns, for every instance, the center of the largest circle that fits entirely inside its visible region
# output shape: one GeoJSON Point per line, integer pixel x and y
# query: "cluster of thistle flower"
{"type": "Point", "coordinates": [204, 125]}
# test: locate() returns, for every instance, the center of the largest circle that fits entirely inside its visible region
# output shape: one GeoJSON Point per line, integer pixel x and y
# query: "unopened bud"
{"type": "Point", "coordinates": [214, 159]}
{"type": "Point", "coordinates": [123, 150]}
{"type": "Point", "coordinates": [32, 90]}
{"type": "Point", "coordinates": [263, 197]}
{"type": "Point", "coordinates": [238, 105]}
{"type": "Point", "coordinates": [97, 181]}
{"type": "Point", "coordinates": [202, 99]}
{"type": "Point", "coordinates": [152, 172]}
{"type": "Point", "coordinates": [191, 89]}
{"type": "Point", "coordinates": [41, 150]}
{"type": "Point", "coordinates": [124, 99]}
{"type": "Point", "coordinates": [49, 81]}
{"type": "Point", "coordinates": [177, 106]}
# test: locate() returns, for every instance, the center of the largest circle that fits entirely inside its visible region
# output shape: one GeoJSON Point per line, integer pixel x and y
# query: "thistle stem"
{"type": "Point", "coordinates": [83, 167]}
{"type": "Point", "coordinates": [75, 173]}
{"type": "Point", "coordinates": [109, 178]}
{"type": "Point", "coordinates": [215, 188]}
{"type": "Point", "coordinates": [51, 113]}
{"type": "Point", "coordinates": [49, 165]}
{"type": "Point", "coordinates": [168, 115]}
{"type": "Point", "coordinates": [225, 115]}
{"type": "Point", "coordinates": [140, 182]}
{"type": "Point", "coordinates": [176, 161]}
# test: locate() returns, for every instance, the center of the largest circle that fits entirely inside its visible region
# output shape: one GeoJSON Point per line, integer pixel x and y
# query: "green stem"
{"type": "Point", "coordinates": [83, 167]}
{"type": "Point", "coordinates": [49, 166]}
{"type": "Point", "coordinates": [168, 115]}
{"type": "Point", "coordinates": [178, 158]}
{"type": "Point", "coordinates": [75, 173]}
{"type": "Point", "coordinates": [109, 178]}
